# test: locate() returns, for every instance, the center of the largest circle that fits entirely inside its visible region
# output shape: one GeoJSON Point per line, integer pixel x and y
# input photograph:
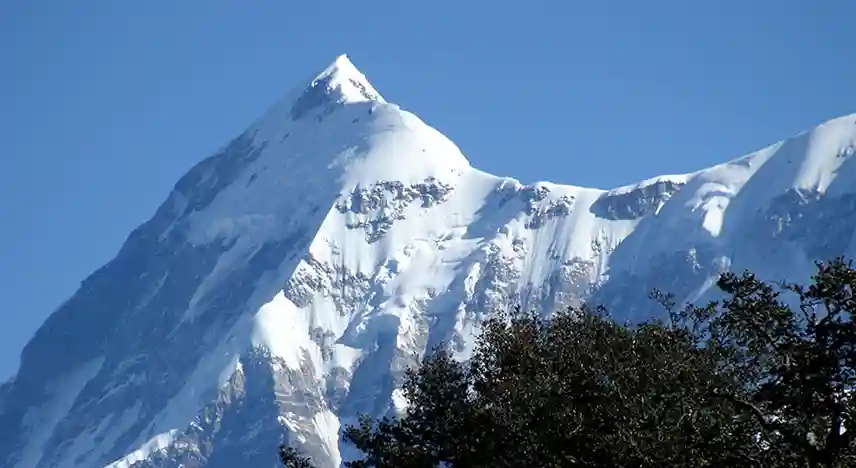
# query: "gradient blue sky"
{"type": "Point", "coordinates": [104, 104]}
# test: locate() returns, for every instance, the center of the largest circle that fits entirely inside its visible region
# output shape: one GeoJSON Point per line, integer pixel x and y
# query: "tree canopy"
{"type": "Point", "coordinates": [760, 378]}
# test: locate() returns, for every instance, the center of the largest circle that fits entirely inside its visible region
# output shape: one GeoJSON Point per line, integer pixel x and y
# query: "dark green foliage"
{"type": "Point", "coordinates": [291, 458]}
{"type": "Point", "coordinates": [438, 415]}
{"type": "Point", "coordinates": [795, 363]}
{"type": "Point", "coordinates": [576, 389]}
{"type": "Point", "coordinates": [743, 382]}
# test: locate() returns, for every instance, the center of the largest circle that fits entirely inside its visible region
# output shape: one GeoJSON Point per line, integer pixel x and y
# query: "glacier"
{"type": "Point", "coordinates": [288, 280]}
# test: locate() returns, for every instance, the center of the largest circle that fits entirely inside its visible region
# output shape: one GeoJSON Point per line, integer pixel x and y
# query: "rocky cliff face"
{"type": "Point", "coordinates": [289, 280]}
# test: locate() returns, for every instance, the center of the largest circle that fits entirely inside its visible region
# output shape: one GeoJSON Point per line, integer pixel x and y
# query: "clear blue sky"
{"type": "Point", "coordinates": [104, 104]}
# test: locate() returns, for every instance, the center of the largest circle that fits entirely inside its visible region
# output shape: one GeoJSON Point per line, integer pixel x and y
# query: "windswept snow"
{"type": "Point", "coordinates": [40, 422]}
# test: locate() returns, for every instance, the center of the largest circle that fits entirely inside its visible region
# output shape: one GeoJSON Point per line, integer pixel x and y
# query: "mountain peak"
{"type": "Point", "coordinates": [339, 83]}
{"type": "Point", "coordinates": [351, 84]}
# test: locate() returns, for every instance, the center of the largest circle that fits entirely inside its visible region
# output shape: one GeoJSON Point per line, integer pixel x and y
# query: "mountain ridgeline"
{"type": "Point", "coordinates": [289, 280]}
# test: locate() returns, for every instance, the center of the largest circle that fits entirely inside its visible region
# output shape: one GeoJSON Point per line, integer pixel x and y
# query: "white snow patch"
{"type": "Point", "coordinates": [327, 425]}
{"type": "Point", "coordinates": [283, 329]}
{"type": "Point", "coordinates": [399, 402]}
{"type": "Point", "coordinates": [158, 442]}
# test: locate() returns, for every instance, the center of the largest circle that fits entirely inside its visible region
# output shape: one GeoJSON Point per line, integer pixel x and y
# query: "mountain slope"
{"type": "Point", "coordinates": [289, 279]}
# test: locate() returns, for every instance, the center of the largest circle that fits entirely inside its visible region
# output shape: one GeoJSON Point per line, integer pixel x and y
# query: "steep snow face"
{"type": "Point", "coordinates": [289, 280]}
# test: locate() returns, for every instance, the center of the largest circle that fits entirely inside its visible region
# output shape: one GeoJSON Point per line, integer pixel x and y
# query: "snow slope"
{"type": "Point", "coordinates": [289, 279]}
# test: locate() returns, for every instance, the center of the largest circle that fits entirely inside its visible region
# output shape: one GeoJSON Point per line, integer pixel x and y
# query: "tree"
{"type": "Point", "coordinates": [574, 389]}
{"type": "Point", "coordinates": [792, 349]}
{"type": "Point", "coordinates": [291, 458]}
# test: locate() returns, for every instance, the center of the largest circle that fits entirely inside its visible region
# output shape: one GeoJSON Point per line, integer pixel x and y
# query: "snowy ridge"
{"type": "Point", "coordinates": [289, 279]}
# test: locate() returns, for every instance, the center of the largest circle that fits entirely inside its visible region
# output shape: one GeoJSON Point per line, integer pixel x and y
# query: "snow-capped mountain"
{"type": "Point", "coordinates": [289, 279]}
